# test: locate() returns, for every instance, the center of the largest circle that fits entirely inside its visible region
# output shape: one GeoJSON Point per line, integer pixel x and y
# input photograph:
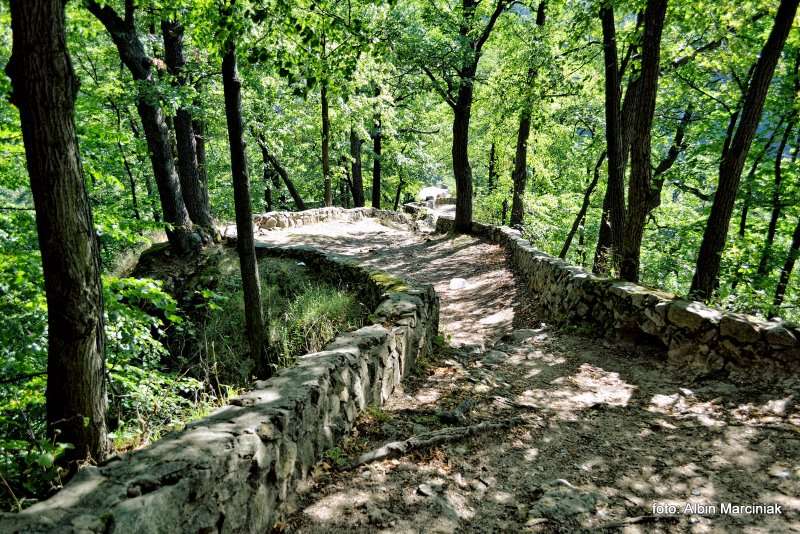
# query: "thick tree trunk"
{"type": "Point", "coordinates": [245, 245]}
{"type": "Point", "coordinates": [641, 176]}
{"type": "Point", "coordinates": [133, 55]}
{"type": "Point", "coordinates": [581, 217]}
{"type": "Point", "coordinates": [775, 212]}
{"type": "Point", "coordinates": [520, 175]}
{"type": "Point", "coordinates": [706, 276]}
{"type": "Point", "coordinates": [326, 138]}
{"type": "Point", "coordinates": [461, 168]}
{"type": "Point", "coordinates": [377, 148]}
{"type": "Point", "coordinates": [786, 271]}
{"type": "Point", "coordinates": [615, 189]}
{"type": "Point", "coordinates": [193, 189]}
{"type": "Point", "coordinates": [355, 169]}
{"type": "Point", "coordinates": [44, 90]}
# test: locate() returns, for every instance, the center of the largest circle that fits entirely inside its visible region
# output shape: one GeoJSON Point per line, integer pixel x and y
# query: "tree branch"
{"type": "Point", "coordinates": [498, 9]}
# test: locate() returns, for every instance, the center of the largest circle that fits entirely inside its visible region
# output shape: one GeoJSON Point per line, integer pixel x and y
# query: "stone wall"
{"type": "Point", "coordinates": [701, 339]}
{"type": "Point", "coordinates": [237, 470]}
{"type": "Point", "coordinates": [278, 220]}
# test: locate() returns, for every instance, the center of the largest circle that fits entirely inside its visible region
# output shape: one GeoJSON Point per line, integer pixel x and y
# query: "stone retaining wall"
{"type": "Point", "coordinates": [701, 339]}
{"type": "Point", "coordinates": [237, 469]}
{"type": "Point", "coordinates": [278, 220]}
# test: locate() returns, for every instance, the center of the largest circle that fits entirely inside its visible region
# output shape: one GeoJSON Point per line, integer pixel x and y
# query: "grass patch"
{"type": "Point", "coordinates": [303, 314]}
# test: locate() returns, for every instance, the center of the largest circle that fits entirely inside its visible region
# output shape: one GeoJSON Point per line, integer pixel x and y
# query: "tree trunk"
{"type": "Point", "coordinates": [786, 271]}
{"type": "Point", "coordinates": [520, 175]}
{"type": "Point", "coordinates": [271, 180]}
{"type": "Point", "coordinates": [148, 183]}
{"type": "Point", "coordinates": [749, 181]}
{"type": "Point", "coordinates": [132, 52]}
{"type": "Point", "coordinates": [193, 189]}
{"type": "Point", "coordinates": [44, 90]}
{"type": "Point", "coordinates": [199, 129]}
{"type": "Point", "coordinates": [355, 169]}
{"type": "Point", "coordinates": [326, 135]}
{"type": "Point", "coordinates": [587, 195]}
{"type": "Point", "coordinates": [298, 200]}
{"type": "Point", "coordinates": [706, 276]}
{"type": "Point", "coordinates": [615, 189]}
{"type": "Point", "coordinates": [641, 177]}
{"type": "Point", "coordinates": [400, 185]}
{"type": "Point", "coordinates": [461, 168]}
{"type": "Point", "coordinates": [245, 245]}
{"type": "Point", "coordinates": [492, 168]}
{"type": "Point", "coordinates": [131, 181]}
{"type": "Point", "coordinates": [604, 244]}
{"type": "Point", "coordinates": [377, 141]}
{"type": "Point", "coordinates": [775, 212]}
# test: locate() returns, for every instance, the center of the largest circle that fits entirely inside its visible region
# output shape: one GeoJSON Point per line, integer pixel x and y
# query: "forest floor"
{"type": "Point", "coordinates": [602, 431]}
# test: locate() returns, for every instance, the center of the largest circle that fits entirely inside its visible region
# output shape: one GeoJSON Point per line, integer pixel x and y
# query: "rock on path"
{"type": "Point", "coordinates": [607, 429]}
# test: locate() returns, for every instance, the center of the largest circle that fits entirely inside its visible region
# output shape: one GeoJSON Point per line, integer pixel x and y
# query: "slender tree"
{"type": "Point", "coordinates": [777, 200]}
{"type": "Point", "coordinates": [44, 90]}
{"type": "Point", "coordinates": [459, 96]}
{"type": "Point", "coordinates": [706, 275]}
{"type": "Point", "coordinates": [245, 243]}
{"type": "Point", "coordinates": [614, 204]}
{"type": "Point", "coordinates": [357, 180]}
{"type": "Point", "coordinates": [520, 173]}
{"type": "Point", "coordinates": [377, 148]}
{"type": "Point", "coordinates": [587, 195]}
{"type": "Point", "coordinates": [786, 270]}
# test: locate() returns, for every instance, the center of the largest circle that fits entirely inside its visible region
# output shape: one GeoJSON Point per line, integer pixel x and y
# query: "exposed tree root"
{"type": "Point", "coordinates": [396, 449]}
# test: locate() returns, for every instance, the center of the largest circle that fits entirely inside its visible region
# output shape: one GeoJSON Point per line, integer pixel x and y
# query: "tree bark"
{"type": "Point", "coordinates": [245, 244]}
{"type": "Point", "coordinates": [326, 134]}
{"type": "Point", "coordinates": [706, 276]}
{"type": "Point", "coordinates": [44, 91]}
{"type": "Point", "coordinates": [776, 205]}
{"type": "Point", "coordinates": [460, 152]}
{"type": "Point", "coordinates": [492, 168]}
{"type": "Point", "coordinates": [520, 175]}
{"type": "Point", "coordinates": [786, 270]}
{"type": "Point", "coordinates": [355, 169]}
{"type": "Point", "coordinates": [400, 185]}
{"type": "Point", "coordinates": [193, 189]}
{"type": "Point", "coordinates": [640, 183]}
{"type": "Point", "coordinates": [133, 55]}
{"type": "Point", "coordinates": [587, 195]}
{"type": "Point", "coordinates": [749, 181]}
{"type": "Point", "coordinates": [377, 147]}
{"type": "Point", "coordinates": [298, 200]}
{"type": "Point", "coordinates": [199, 129]}
{"type": "Point", "coordinates": [615, 192]}
{"type": "Point", "coordinates": [148, 183]}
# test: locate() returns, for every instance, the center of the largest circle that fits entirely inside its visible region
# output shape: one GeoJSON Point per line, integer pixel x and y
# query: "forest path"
{"type": "Point", "coordinates": [604, 431]}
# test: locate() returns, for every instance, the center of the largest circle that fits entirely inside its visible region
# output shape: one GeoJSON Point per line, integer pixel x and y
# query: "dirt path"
{"type": "Point", "coordinates": [606, 431]}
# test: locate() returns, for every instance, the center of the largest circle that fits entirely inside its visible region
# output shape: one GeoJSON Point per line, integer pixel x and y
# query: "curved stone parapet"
{"type": "Point", "coordinates": [280, 220]}
{"type": "Point", "coordinates": [237, 469]}
{"type": "Point", "coordinates": [697, 337]}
